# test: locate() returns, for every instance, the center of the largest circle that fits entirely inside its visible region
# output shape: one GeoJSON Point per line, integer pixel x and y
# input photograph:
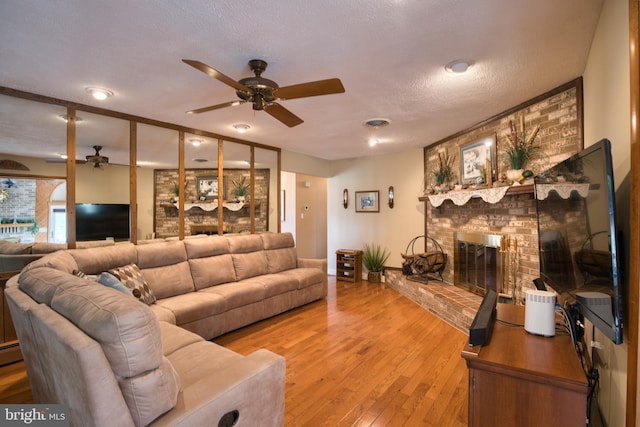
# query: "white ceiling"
{"type": "Point", "coordinates": [389, 54]}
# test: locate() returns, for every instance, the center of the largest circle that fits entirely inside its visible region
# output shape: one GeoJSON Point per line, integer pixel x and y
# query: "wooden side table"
{"type": "Point", "coordinates": [523, 379]}
{"type": "Point", "coordinates": [349, 265]}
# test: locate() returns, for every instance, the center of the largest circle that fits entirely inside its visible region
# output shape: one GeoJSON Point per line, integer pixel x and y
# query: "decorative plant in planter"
{"type": "Point", "coordinates": [444, 172]}
{"type": "Point", "coordinates": [240, 188]}
{"type": "Point", "coordinates": [373, 258]}
{"type": "Point", "coordinates": [520, 148]}
{"type": "Point", "coordinates": [175, 189]}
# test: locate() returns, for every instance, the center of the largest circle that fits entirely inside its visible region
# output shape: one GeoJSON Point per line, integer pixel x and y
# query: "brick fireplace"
{"type": "Point", "coordinates": [477, 262]}
{"type": "Point", "coordinates": [513, 216]}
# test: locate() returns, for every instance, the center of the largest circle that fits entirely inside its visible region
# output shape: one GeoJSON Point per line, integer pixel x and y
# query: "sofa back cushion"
{"type": "Point", "coordinates": [249, 259]}
{"type": "Point", "coordinates": [280, 251]}
{"type": "Point", "coordinates": [41, 283]}
{"type": "Point", "coordinates": [99, 259]}
{"type": "Point", "coordinates": [165, 268]}
{"type": "Point", "coordinates": [129, 334]}
{"type": "Point", "coordinates": [210, 261]}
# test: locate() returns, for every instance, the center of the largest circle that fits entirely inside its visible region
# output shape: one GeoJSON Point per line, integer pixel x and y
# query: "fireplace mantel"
{"type": "Point", "coordinates": [437, 200]}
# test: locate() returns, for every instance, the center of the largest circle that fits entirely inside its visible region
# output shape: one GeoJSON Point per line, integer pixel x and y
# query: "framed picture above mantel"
{"type": "Point", "coordinates": [208, 187]}
{"type": "Point", "coordinates": [477, 157]}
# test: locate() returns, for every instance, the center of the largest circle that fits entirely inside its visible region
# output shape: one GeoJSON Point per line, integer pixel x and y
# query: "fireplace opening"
{"type": "Point", "coordinates": [477, 262]}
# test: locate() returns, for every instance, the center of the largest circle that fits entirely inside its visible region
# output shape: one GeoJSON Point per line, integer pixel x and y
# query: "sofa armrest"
{"type": "Point", "coordinates": [313, 263]}
{"type": "Point", "coordinates": [253, 386]}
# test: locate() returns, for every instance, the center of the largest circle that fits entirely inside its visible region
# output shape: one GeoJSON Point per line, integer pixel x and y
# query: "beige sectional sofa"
{"type": "Point", "coordinates": [117, 361]}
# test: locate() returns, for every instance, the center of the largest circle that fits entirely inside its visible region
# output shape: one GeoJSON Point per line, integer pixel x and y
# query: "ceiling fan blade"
{"type": "Point", "coordinates": [61, 160]}
{"type": "Point", "coordinates": [303, 90]}
{"type": "Point", "coordinates": [216, 74]}
{"type": "Point", "coordinates": [216, 107]}
{"type": "Point", "coordinates": [278, 112]}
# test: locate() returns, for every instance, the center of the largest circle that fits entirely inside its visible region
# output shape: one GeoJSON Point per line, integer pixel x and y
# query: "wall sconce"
{"type": "Point", "coordinates": [391, 196]}
{"type": "Point", "coordinates": [345, 198]}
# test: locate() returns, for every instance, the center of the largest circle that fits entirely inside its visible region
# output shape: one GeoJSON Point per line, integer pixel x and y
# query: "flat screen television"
{"type": "Point", "coordinates": [100, 221]}
{"type": "Point", "coordinates": [577, 236]}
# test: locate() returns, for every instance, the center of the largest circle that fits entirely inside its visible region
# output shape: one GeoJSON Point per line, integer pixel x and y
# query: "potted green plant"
{"type": "Point", "coordinates": [373, 258]}
{"type": "Point", "coordinates": [519, 150]}
{"type": "Point", "coordinates": [240, 188]}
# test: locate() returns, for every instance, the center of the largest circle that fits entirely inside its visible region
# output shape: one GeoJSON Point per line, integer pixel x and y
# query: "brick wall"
{"type": "Point", "coordinates": [166, 219]}
{"type": "Point", "coordinates": [557, 116]}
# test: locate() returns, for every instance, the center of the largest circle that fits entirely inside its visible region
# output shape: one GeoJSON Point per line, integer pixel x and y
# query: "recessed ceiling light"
{"type": "Point", "coordinates": [458, 66]}
{"type": "Point", "coordinates": [98, 92]}
{"type": "Point", "coordinates": [241, 127]}
{"type": "Point", "coordinates": [195, 142]}
{"type": "Point", "coordinates": [376, 123]}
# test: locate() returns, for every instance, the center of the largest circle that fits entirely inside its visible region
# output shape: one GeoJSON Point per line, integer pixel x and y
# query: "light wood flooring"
{"type": "Point", "coordinates": [365, 356]}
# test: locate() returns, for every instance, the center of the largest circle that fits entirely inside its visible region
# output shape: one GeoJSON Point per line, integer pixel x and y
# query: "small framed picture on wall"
{"type": "Point", "coordinates": [367, 201]}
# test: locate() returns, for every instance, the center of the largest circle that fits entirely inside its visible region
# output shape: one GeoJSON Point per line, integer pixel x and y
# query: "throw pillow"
{"type": "Point", "coordinates": [111, 281]}
{"type": "Point", "coordinates": [79, 274]}
{"type": "Point", "coordinates": [133, 279]}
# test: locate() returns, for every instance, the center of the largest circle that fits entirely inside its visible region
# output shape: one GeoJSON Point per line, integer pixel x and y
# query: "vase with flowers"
{"type": "Point", "coordinates": [520, 149]}
{"type": "Point", "coordinates": [443, 174]}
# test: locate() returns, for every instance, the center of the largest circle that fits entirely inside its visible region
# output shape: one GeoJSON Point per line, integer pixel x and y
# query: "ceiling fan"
{"type": "Point", "coordinates": [263, 93]}
{"type": "Point", "coordinates": [96, 160]}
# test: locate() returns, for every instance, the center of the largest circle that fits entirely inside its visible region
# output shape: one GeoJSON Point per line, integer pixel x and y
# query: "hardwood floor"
{"type": "Point", "coordinates": [365, 356]}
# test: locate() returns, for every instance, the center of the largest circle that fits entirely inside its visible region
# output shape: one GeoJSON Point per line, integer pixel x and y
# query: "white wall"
{"type": "Point", "coordinates": [607, 115]}
{"type": "Point", "coordinates": [391, 228]}
{"type": "Point", "coordinates": [288, 184]}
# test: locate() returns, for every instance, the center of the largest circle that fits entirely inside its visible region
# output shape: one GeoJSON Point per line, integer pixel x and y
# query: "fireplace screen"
{"type": "Point", "coordinates": [477, 263]}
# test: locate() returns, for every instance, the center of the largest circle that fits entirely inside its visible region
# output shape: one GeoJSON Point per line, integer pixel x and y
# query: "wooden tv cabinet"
{"type": "Point", "coordinates": [519, 379]}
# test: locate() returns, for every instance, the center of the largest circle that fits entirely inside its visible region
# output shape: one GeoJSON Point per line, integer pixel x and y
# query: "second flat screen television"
{"type": "Point", "coordinates": [100, 221]}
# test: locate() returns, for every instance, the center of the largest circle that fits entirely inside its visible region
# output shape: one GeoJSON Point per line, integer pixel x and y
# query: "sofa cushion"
{"type": "Point", "coordinates": [10, 248]}
{"type": "Point", "coordinates": [61, 260]}
{"type": "Point", "coordinates": [281, 259]}
{"type": "Point", "coordinates": [165, 267]}
{"type": "Point", "coordinates": [245, 243]}
{"type": "Point", "coordinates": [97, 260]}
{"type": "Point", "coordinates": [42, 283]}
{"type": "Point", "coordinates": [239, 294]}
{"type": "Point", "coordinates": [250, 265]}
{"type": "Point", "coordinates": [47, 248]}
{"type": "Point", "coordinates": [151, 393]}
{"type": "Point", "coordinates": [203, 248]}
{"type": "Point", "coordinates": [129, 334]}
{"type": "Point", "coordinates": [194, 306]}
{"type": "Point", "coordinates": [211, 271]}
{"type": "Point", "coordinates": [133, 279]}
{"type": "Point", "coordinates": [277, 240]}
{"type": "Point", "coordinates": [175, 338]}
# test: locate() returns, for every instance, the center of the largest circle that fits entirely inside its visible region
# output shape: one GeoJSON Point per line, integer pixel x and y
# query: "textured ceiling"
{"type": "Point", "coordinates": [389, 54]}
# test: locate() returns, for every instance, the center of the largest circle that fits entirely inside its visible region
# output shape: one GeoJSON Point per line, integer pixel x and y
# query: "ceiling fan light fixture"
{"type": "Point", "coordinates": [458, 66]}
{"type": "Point", "coordinates": [65, 118]}
{"type": "Point", "coordinates": [99, 93]}
{"type": "Point", "coordinates": [241, 127]}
